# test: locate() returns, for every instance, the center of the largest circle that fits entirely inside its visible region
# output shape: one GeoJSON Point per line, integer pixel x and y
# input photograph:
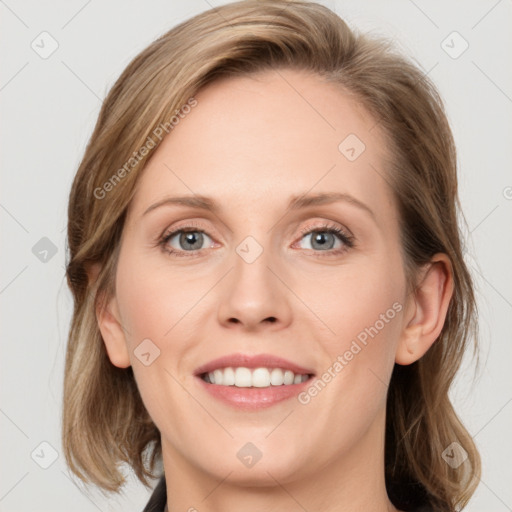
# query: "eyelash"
{"type": "Point", "coordinates": [346, 239]}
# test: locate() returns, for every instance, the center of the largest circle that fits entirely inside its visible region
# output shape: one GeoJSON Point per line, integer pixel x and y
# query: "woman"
{"type": "Point", "coordinates": [270, 295]}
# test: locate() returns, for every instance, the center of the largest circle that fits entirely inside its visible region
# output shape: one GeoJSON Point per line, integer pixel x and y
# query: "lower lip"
{"type": "Point", "coordinates": [253, 398]}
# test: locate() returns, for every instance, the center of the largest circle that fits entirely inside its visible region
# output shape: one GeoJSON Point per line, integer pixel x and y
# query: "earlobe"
{"type": "Point", "coordinates": [427, 311]}
{"type": "Point", "coordinates": [113, 333]}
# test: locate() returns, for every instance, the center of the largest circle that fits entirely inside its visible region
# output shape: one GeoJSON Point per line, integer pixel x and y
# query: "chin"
{"type": "Point", "coordinates": [258, 463]}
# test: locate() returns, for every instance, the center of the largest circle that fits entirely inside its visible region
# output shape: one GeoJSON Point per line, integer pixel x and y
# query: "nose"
{"type": "Point", "coordinates": [254, 296]}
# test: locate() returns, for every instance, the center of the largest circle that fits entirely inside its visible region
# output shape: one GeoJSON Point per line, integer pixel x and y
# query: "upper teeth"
{"type": "Point", "coordinates": [259, 377]}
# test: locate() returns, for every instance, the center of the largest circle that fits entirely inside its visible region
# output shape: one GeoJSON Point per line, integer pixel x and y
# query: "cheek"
{"type": "Point", "coordinates": [153, 309]}
{"type": "Point", "coordinates": [362, 307]}
{"type": "Point", "coordinates": [161, 315]}
{"type": "Point", "coordinates": [143, 311]}
{"type": "Point", "coordinates": [153, 301]}
{"type": "Point", "coordinates": [359, 302]}
{"type": "Point", "coordinates": [359, 361]}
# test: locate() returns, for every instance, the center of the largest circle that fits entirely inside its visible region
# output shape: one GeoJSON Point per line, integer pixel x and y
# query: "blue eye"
{"type": "Point", "coordinates": [325, 239]}
{"type": "Point", "coordinates": [329, 239]}
{"type": "Point", "coordinates": [188, 240]}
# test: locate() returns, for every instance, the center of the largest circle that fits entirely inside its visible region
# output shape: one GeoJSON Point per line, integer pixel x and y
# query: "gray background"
{"type": "Point", "coordinates": [48, 107]}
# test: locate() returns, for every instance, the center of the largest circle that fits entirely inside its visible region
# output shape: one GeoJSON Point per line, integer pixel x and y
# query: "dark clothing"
{"type": "Point", "coordinates": [159, 498]}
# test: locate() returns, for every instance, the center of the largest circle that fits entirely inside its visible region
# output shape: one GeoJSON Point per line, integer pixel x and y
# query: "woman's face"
{"type": "Point", "coordinates": [286, 160]}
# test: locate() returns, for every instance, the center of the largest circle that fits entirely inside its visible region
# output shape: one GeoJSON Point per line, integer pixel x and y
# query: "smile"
{"type": "Point", "coordinates": [242, 377]}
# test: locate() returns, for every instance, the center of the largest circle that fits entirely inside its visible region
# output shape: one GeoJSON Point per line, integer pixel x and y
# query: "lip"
{"type": "Point", "coordinates": [252, 361]}
{"type": "Point", "coordinates": [252, 399]}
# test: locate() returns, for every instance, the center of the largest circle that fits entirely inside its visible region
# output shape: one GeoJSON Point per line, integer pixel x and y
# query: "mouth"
{"type": "Point", "coordinates": [252, 382]}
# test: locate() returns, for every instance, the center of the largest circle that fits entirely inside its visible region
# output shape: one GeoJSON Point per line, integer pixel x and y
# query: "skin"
{"type": "Point", "coordinates": [250, 144]}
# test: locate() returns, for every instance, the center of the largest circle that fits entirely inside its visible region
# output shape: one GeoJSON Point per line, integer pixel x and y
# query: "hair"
{"type": "Point", "coordinates": [105, 423]}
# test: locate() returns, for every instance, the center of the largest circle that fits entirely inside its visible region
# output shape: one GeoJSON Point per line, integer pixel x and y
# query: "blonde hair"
{"type": "Point", "coordinates": [105, 422]}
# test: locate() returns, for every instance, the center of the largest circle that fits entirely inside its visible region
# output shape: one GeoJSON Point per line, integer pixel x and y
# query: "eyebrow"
{"type": "Point", "coordinates": [295, 203]}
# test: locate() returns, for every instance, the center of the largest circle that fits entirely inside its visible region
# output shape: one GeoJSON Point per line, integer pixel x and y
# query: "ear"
{"type": "Point", "coordinates": [426, 311]}
{"type": "Point", "coordinates": [112, 331]}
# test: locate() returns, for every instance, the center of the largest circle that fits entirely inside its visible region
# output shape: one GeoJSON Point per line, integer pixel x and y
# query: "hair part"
{"type": "Point", "coordinates": [105, 422]}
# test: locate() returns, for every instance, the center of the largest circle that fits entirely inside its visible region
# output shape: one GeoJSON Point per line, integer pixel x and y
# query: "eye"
{"type": "Point", "coordinates": [188, 241]}
{"type": "Point", "coordinates": [329, 238]}
{"type": "Point", "coordinates": [184, 240]}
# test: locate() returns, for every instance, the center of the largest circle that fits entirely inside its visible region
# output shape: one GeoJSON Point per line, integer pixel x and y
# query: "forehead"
{"type": "Point", "coordinates": [260, 139]}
